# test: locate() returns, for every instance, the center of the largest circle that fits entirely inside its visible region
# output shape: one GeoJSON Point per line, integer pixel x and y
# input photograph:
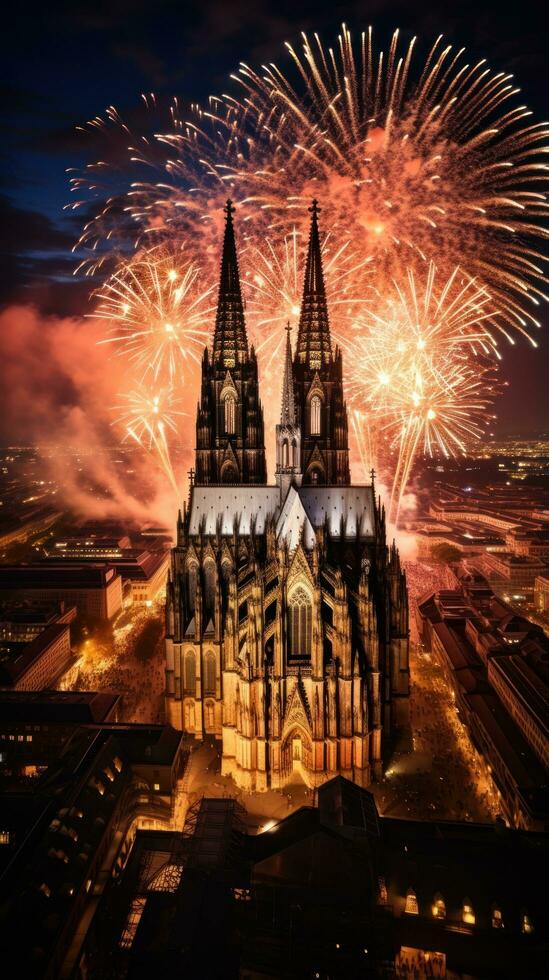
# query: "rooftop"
{"type": "Point", "coordinates": [16, 658]}
{"type": "Point", "coordinates": [59, 575]}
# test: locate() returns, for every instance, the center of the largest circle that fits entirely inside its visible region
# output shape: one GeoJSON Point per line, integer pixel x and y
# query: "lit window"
{"type": "Point", "coordinates": [4, 836]}
{"type": "Point", "coordinates": [467, 915]}
{"type": "Point", "coordinates": [242, 894]}
{"type": "Point", "coordinates": [230, 415]}
{"type": "Point", "coordinates": [411, 906]}
{"type": "Point", "coordinates": [156, 787]}
{"type": "Point", "coordinates": [316, 406]}
{"type": "Point", "coordinates": [497, 919]}
{"type": "Point", "coordinates": [439, 907]}
{"type": "Point", "coordinates": [526, 924]}
{"type": "Point", "coordinates": [300, 625]}
{"type": "Point", "coordinates": [29, 738]}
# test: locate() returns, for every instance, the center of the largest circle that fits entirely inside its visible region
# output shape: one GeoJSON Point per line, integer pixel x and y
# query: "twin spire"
{"type": "Point", "coordinates": [314, 346]}
{"type": "Point", "coordinates": [230, 345]}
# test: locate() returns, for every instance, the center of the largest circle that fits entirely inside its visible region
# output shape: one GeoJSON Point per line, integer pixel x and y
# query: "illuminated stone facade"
{"type": "Point", "coordinates": [286, 614]}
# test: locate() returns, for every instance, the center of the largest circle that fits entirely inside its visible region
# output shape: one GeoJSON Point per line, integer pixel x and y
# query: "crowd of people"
{"type": "Point", "coordinates": [439, 774]}
{"type": "Point", "coordinates": [127, 658]}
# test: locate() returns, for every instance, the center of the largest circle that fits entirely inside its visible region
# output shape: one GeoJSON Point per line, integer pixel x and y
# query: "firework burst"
{"type": "Point", "coordinates": [421, 372]}
{"type": "Point", "coordinates": [273, 285]}
{"type": "Point", "coordinates": [149, 416]}
{"type": "Point", "coordinates": [160, 315]}
{"type": "Point", "coordinates": [413, 160]}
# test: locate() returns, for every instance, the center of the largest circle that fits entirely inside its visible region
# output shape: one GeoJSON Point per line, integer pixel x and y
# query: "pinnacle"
{"type": "Point", "coordinates": [313, 342]}
{"type": "Point", "coordinates": [287, 412]}
{"type": "Point", "coordinates": [230, 344]}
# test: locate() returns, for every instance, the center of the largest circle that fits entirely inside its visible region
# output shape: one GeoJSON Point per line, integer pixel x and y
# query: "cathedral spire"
{"type": "Point", "coordinates": [287, 411]}
{"type": "Point", "coordinates": [313, 342]}
{"type": "Point", "coordinates": [230, 345]}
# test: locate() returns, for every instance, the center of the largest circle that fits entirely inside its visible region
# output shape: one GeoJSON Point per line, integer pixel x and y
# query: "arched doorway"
{"type": "Point", "coordinates": [297, 755]}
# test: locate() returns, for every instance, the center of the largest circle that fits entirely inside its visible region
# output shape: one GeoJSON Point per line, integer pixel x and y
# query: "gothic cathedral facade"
{"type": "Point", "coordinates": [286, 612]}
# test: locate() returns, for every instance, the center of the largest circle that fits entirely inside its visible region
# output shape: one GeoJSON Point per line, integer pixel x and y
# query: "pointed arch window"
{"type": "Point", "coordinates": [209, 716]}
{"type": "Point", "coordinates": [300, 625]}
{"type": "Point", "coordinates": [285, 454]}
{"type": "Point", "coordinates": [209, 673]}
{"type": "Point", "coordinates": [209, 585]}
{"type": "Point", "coordinates": [294, 454]}
{"type": "Point", "coordinates": [468, 913]}
{"type": "Point", "coordinates": [526, 924]}
{"type": "Point", "coordinates": [190, 673]}
{"type": "Point", "coordinates": [411, 906]}
{"type": "Point", "coordinates": [192, 579]}
{"type": "Point", "coordinates": [316, 410]}
{"type": "Point", "coordinates": [230, 415]}
{"type": "Point", "coordinates": [439, 907]}
{"type": "Point", "coordinates": [497, 918]}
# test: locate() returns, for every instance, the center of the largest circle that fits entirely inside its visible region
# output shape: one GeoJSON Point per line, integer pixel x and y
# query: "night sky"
{"type": "Point", "coordinates": [64, 63]}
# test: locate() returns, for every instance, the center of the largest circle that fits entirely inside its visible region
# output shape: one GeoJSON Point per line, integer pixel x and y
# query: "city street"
{"type": "Point", "coordinates": [436, 772]}
{"type": "Point", "coordinates": [126, 657]}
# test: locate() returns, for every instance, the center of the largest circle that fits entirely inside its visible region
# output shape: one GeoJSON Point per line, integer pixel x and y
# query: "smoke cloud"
{"type": "Point", "coordinates": [59, 390]}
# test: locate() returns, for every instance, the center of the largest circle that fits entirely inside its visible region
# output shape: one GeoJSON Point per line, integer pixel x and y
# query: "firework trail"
{"type": "Point", "coordinates": [148, 415]}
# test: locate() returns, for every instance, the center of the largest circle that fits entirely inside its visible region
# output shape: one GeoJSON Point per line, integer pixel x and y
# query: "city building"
{"type": "Point", "coordinates": [16, 528]}
{"type": "Point", "coordinates": [96, 548]}
{"type": "Point", "coordinates": [95, 590]}
{"type": "Point", "coordinates": [541, 594]}
{"type": "Point", "coordinates": [497, 666]}
{"type": "Point", "coordinates": [73, 797]}
{"type": "Point", "coordinates": [143, 573]}
{"type": "Point", "coordinates": [22, 619]}
{"type": "Point", "coordinates": [35, 665]}
{"type": "Point", "coordinates": [333, 890]}
{"type": "Point", "coordinates": [526, 697]}
{"type": "Point", "coordinates": [514, 572]}
{"type": "Point", "coordinates": [286, 612]}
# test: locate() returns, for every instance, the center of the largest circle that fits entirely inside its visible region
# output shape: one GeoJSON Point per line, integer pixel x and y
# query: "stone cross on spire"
{"type": "Point", "coordinates": [230, 345]}
{"type": "Point", "coordinates": [287, 411]}
{"type": "Point", "coordinates": [313, 341]}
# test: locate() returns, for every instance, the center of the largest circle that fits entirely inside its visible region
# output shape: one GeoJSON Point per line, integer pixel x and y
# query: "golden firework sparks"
{"type": "Point", "coordinates": [160, 314]}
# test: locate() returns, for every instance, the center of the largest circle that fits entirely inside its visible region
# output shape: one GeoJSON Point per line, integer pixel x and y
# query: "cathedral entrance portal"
{"type": "Point", "coordinates": [297, 756]}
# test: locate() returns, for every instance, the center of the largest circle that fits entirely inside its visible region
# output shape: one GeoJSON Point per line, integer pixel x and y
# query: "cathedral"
{"type": "Point", "coordinates": [286, 611]}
